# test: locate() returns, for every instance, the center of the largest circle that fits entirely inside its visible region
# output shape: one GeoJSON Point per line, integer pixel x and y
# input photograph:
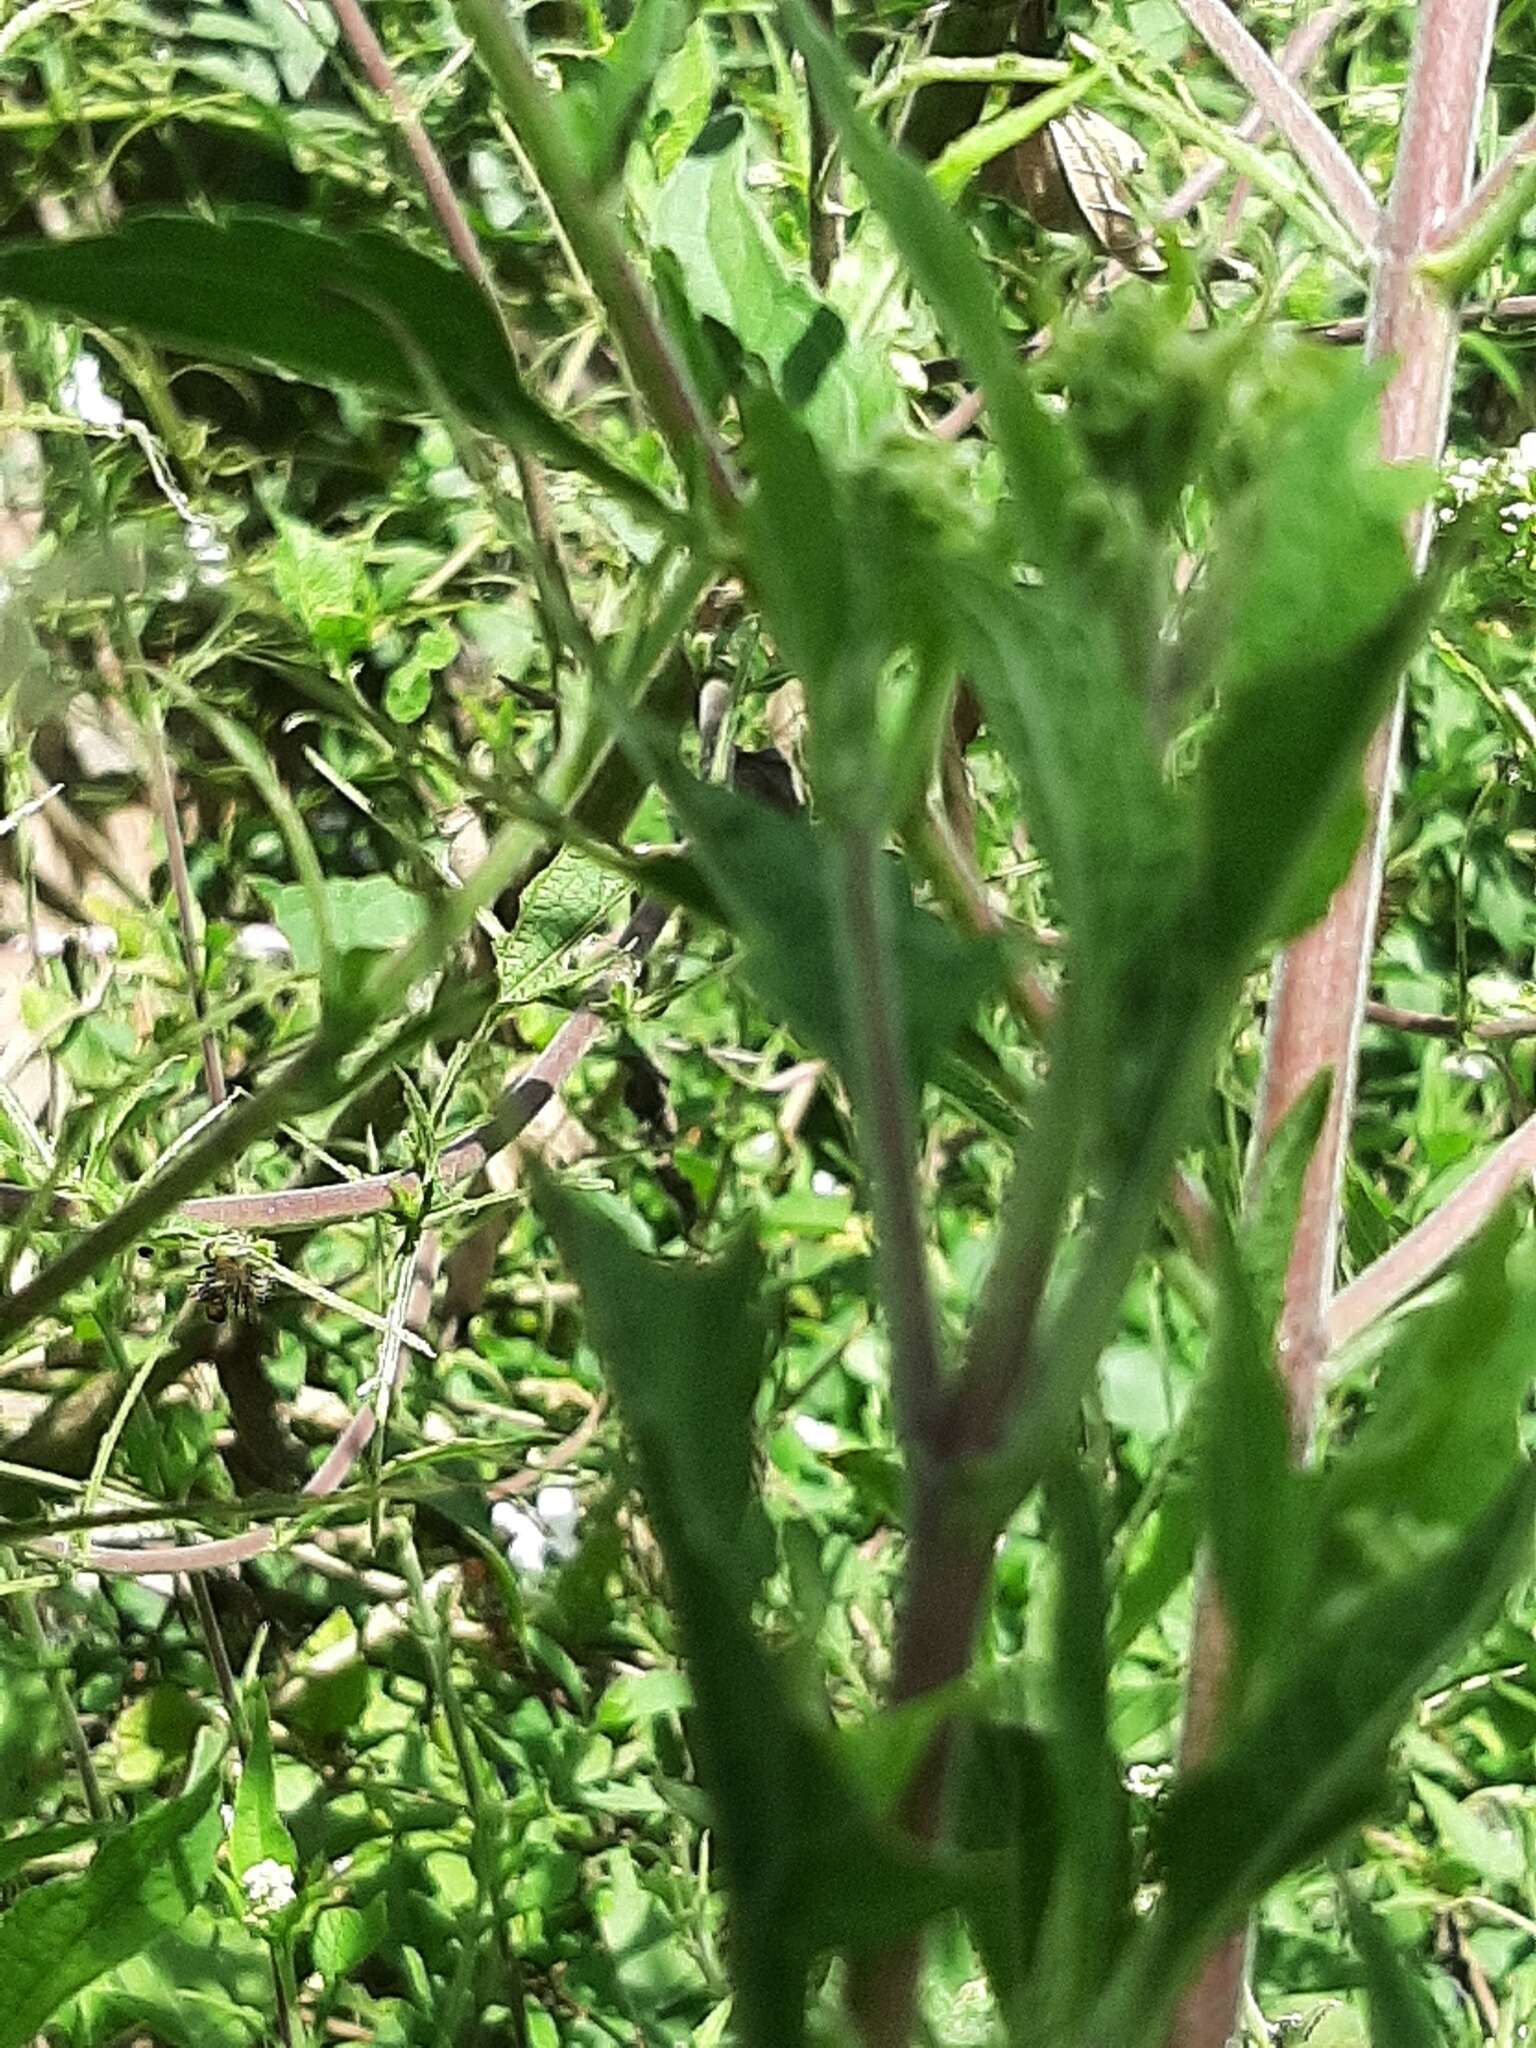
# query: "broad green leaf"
{"type": "Point", "coordinates": [323, 582]}
{"type": "Point", "coordinates": [258, 1834]}
{"type": "Point", "coordinates": [345, 1937]}
{"type": "Point", "coordinates": [734, 271]}
{"type": "Point", "coordinates": [298, 43]}
{"type": "Point", "coordinates": [683, 1343]}
{"type": "Point", "coordinates": [408, 692]}
{"type": "Point", "coordinates": [1088, 1914]}
{"type": "Point", "coordinates": [207, 1984]}
{"type": "Point", "coordinates": [273, 291]}
{"type": "Point", "coordinates": [1401, 2009]}
{"type": "Point", "coordinates": [564, 902]}
{"type": "Point", "coordinates": [770, 875]}
{"type": "Point", "coordinates": [369, 914]}
{"type": "Point", "coordinates": [60, 1936]}
{"type": "Point", "coordinates": [1490, 1858]}
{"type": "Point", "coordinates": [1309, 1761]}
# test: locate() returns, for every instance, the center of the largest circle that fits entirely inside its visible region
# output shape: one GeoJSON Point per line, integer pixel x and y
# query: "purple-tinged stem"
{"type": "Point", "coordinates": [1320, 153]}
{"type": "Point", "coordinates": [1323, 978]}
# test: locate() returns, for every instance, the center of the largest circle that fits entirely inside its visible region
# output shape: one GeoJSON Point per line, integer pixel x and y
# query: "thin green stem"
{"type": "Point", "coordinates": [484, 1826]}
{"type": "Point", "coordinates": [880, 1086]}
{"type": "Point", "coordinates": [63, 1700]}
{"type": "Point", "coordinates": [1004, 69]}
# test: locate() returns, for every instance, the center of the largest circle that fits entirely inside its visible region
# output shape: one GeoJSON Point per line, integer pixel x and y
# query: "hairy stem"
{"type": "Point", "coordinates": [1323, 978]}
{"type": "Point", "coordinates": [1319, 152]}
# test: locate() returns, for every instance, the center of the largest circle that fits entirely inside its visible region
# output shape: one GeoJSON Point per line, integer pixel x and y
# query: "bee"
{"type": "Point", "coordinates": [234, 1278]}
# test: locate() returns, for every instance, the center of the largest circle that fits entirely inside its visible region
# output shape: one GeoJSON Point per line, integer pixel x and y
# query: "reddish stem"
{"type": "Point", "coordinates": [1322, 981]}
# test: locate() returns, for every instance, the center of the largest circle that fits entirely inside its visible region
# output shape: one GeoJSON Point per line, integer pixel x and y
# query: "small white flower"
{"type": "Point", "coordinates": [268, 1887]}
{"type": "Point", "coordinates": [80, 392]}
{"type": "Point", "coordinates": [815, 1434]}
{"type": "Point", "coordinates": [1470, 1066]}
{"type": "Point", "coordinates": [522, 1536]}
{"type": "Point", "coordinates": [545, 1534]}
{"type": "Point", "coordinates": [560, 1512]}
{"type": "Point", "coordinates": [824, 1183]}
{"type": "Point", "coordinates": [262, 942]}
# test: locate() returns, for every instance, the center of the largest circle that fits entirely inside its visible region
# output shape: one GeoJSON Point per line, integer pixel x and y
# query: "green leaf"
{"type": "Point", "coordinates": [1315, 607]}
{"type": "Point", "coordinates": [345, 1937]}
{"type": "Point", "coordinates": [683, 1342]}
{"type": "Point", "coordinates": [1006, 1822]}
{"type": "Point", "coordinates": [1274, 1199]}
{"type": "Point", "coordinates": [1260, 1513]}
{"type": "Point", "coordinates": [607, 97]}
{"type": "Point", "coordinates": [60, 1936]}
{"type": "Point", "coordinates": [771, 876]}
{"type": "Point", "coordinates": [1401, 2009]}
{"type": "Point", "coordinates": [1487, 1857]}
{"type": "Point", "coordinates": [208, 1984]}
{"type": "Point", "coordinates": [1309, 1761]}
{"type": "Point", "coordinates": [564, 902]}
{"type": "Point", "coordinates": [323, 582]}
{"type": "Point", "coordinates": [273, 291]}
{"type": "Point", "coordinates": [733, 271]}
{"type": "Point", "coordinates": [369, 914]}
{"type": "Point", "coordinates": [1161, 1562]}
{"type": "Point", "coordinates": [949, 273]}
{"type": "Point", "coordinates": [258, 1834]}
{"type": "Point", "coordinates": [1443, 1432]}
{"type": "Point", "coordinates": [408, 692]}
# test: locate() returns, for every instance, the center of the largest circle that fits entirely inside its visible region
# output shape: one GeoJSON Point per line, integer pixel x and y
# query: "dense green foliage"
{"type": "Point", "coordinates": [634, 599]}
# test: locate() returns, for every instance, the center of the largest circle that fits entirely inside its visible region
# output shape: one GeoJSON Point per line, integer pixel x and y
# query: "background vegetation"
{"type": "Point", "coordinates": [431, 714]}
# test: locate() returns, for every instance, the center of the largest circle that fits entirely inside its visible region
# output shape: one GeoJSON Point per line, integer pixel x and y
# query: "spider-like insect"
{"type": "Point", "coordinates": [234, 1277]}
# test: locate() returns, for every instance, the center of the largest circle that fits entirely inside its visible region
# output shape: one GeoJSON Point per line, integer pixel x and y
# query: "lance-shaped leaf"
{"type": "Point", "coordinates": [1309, 1761]}
{"type": "Point", "coordinates": [684, 1344]}
{"type": "Point", "coordinates": [274, 292]}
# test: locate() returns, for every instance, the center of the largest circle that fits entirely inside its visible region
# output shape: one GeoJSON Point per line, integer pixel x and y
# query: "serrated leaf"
{"type": "Point", "coordinates": [564, 902]}
{"type": "Point", "coordinates": [345, 1937]}
{"type": "Point", "coordinates": [771, 879]}
{"type": "Point", "coordinates": [1309, 1761]}
{"type": "Point", "coordinates": [1318, 611]}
